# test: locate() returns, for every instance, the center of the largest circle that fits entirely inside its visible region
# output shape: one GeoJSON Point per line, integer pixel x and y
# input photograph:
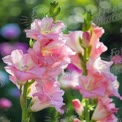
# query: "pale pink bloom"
{"type": "Point", "coordinates": [99, 81]}
{"type": "Point", "coordinates": [102, 68]}
{"type": "Point", "coordinates": [117, 59]}
{"type": "Point", "coordinates": [97, 47]}
{"type": "Point", "coordinates": [104, 109]}
{"type": "Point", "coordinates": [51, 54]}
{"type": "Point", "coordinates": [92, 85]}
{"type": "Point", "coordinates": [99, 64]}
{"type": "Point", "coordinates": [47, 94]}
{"type": "Point", "coordinates": [97, 32]}
{"type": "Point", "coordinates": [76, 120]}
{"type": "Point", "coordinates": [78, 107]}
{"type": "Point", "coordinates": [21, 67]}
{"type": "Point", "coordinates": [90, 38]}
{"type": "Point", "coordinates": [44, 28]}
{"type": "Point", "coordinates": [73, 41]}
{"type": "Point", "coordinates": [5, 103]}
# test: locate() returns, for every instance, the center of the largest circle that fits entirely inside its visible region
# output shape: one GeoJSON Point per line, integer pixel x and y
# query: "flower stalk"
{"type": "Point", "coordinates": [23, 102]}
{"type": "Point", "coordinates": [87, 111]}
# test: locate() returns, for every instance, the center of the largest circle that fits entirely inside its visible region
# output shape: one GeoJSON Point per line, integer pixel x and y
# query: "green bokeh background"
{"type": "Point", "coordinates": [23, 12]}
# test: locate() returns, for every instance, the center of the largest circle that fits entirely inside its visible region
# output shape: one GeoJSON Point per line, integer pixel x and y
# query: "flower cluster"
{"type": "Point", "coordinates": [41, 64]}
{"type": "Point", "coordinates": [95, 82]}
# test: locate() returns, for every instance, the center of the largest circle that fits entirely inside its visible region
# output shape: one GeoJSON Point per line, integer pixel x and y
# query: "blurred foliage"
{"type": "Point", "coordinates": [23, 12]}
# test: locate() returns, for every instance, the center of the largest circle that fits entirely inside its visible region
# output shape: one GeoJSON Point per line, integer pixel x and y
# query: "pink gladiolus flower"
{"type": "Point", "coordinates": [49, 50]}
{"type": "Point", "coordinates": [53, 55]}
{"type": "Point", "coordinates": [117, 59]}
{"type": "Point", "coordinates": [47, 94]}
{"type": "Point", "coordinates": [92, 86]}
{"type": "Point", "coordinates": [105, 110]}
{"type": "Point", "coordinates": [21, 67]}
{"type": "Point", "coordinates": [44, 28]}
{"type": "Point", "coordinates": [73, 41]}
{"type": "Point", "coordinates": [5, 103]}
{"type": "Point", "coordinates": [103, 68]}
{"type": "Point", "coordinates": [97, 47]}
{"type": "Point", "coordinates": [99, 81]}
{"type": "Point", "coordinates": [97, 33]}
{"type": "Point", "coordinates": [78, 107]}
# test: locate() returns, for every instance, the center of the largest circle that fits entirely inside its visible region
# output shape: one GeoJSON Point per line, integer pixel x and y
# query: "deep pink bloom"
{"type": "Point", "coordinates": [47, 94]}
{"type": "Point", "coordinates": [21, 67]}
{"type": "Point", "coordinates": [5, 103]}
{"type": "Point", "coordinates": [105, 110]}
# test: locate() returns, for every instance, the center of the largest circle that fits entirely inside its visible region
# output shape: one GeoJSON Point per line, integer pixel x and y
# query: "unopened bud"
{"type": "Point", "coordinates": [76, 120]}
{"type": "Point", "coordinates": [78, 107]}
{"type": "Point", "coordinates": [86, 39]}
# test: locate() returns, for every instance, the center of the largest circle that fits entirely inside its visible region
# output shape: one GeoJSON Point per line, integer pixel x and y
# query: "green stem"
{"type": "Point", "coordinates": [83, 64]}
{"type": "Point", "coordinates": [87, 111]}
{"type": "Point", "coordinates": [84, 70]}
{"type": "Point", "coordinates": [23, 101]}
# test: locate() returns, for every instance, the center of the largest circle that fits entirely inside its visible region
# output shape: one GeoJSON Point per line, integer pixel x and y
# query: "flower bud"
{"type": "Point", "coordinates": [78, 107]}
{"type": "Point", "coordinates": [76, 120]}
{"type": "Point", "coordinates": [86, 39]}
